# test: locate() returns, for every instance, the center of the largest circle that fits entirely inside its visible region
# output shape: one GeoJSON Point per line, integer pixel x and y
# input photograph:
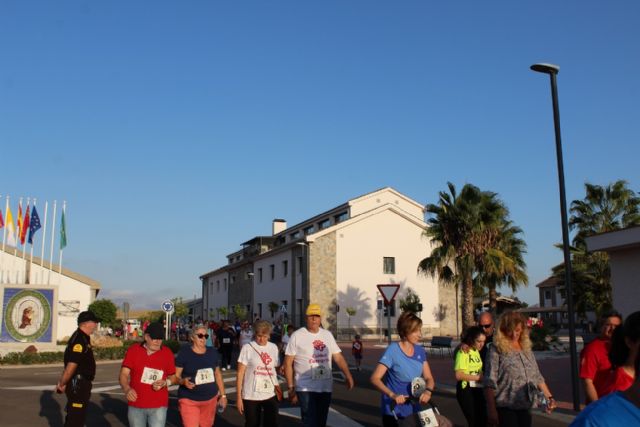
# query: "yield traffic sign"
{"type": "Point", "coordinates": [388, 292]}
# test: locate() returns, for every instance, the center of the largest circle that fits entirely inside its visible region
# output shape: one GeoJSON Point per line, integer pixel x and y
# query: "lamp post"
{"type": "Point", "coordinates": [552, 71]}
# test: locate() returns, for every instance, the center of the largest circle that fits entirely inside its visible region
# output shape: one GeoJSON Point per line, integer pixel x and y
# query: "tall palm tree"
{"type": "Point", "coordinates": [604, 208]}
{"type": "Point", "coordinates": [463, 229]}
{"type": "Point", "coordinates": [506, 263]}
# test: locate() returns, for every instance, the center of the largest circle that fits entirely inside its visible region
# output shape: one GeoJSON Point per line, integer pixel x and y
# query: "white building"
{"type": "Point", "coordinates": [40, 304]}
{"type": "Point", "coordinates": [335, 259]}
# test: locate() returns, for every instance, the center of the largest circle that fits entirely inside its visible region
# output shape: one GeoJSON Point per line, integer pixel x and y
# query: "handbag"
{"type": "Point", "coordinates": [276, 387]}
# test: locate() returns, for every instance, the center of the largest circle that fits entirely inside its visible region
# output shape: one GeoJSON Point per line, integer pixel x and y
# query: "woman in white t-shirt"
{"type": "Point", "coordinates": [257, 377]}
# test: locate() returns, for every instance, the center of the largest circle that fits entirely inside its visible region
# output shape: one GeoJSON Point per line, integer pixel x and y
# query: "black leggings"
{"type": "Point", "coordinates": [472, 403]}
{"type": "Point", "coordinates": [256, 411]}
{"type": "Point", "coordinates": [514, 417]}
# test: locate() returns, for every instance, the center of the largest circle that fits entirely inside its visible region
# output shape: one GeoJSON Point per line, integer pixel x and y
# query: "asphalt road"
{"type": "Point", "coordinates": [27, 399]}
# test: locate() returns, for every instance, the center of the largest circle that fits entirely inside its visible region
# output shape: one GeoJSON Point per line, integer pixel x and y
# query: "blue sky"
{"type": "Point", "coordinates": [177, 130]}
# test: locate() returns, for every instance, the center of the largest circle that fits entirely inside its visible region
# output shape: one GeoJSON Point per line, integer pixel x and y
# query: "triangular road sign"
{"type": "Point", "coordinates": [388, 292]}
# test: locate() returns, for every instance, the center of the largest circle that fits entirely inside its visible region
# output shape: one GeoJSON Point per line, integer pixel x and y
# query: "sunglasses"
{"type": "Point", "coordinates": [206, 336]}
{"type": "Point", "coordinates": [487, 326]}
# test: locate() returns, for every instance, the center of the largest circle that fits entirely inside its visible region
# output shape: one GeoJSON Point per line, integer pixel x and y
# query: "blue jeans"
{"type": "Point", "coordinates": [314, 408]}
{"type": "Point", "coordinates": [139, 417]}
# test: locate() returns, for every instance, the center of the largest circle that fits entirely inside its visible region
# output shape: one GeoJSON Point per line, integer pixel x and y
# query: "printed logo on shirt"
{"type": "Point", "coordinates": [319, 345]}
{"type": "Point", "coordinates": [266, 359]}
{"type": "Point", "coordinates": [77, 348]}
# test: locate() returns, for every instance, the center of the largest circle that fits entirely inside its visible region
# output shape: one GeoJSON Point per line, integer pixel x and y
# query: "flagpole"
{"type": "Point", "coordinates": [4, 232]}
{"type": "Point", "coordinates": [31, 254]}
{"type": "Point", "coordinates": [63, 224]}
{"type": "Point", "coordinates": [15, 248]}
{"type": "Point", "coordinates": [53, 236]}
{"type": "Point", "coordinates": [44, 238]}
{"type": "Point", "coordinates": [4, 229]}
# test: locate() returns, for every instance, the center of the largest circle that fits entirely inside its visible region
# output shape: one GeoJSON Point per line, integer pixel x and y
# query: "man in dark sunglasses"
{"type": "Point", "coordinates": [486, 322]}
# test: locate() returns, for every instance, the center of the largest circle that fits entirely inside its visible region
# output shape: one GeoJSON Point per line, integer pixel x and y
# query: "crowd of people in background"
{"type": "Point", "coordinates": [498, 380]}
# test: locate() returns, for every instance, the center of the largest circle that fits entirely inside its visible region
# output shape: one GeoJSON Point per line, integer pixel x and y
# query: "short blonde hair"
{"type": "Point", "coordinates": [262, 327]}
{"type": "Point", "coordinates": [507, 323]}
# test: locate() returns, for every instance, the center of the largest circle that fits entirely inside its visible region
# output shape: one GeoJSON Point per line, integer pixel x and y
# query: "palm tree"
{"type": "Point", "coordinates": [465, 230]}
{"type": "Point", "coordinates": [505, 264]}
{"type": "Point", "coordinates": [608, 208]}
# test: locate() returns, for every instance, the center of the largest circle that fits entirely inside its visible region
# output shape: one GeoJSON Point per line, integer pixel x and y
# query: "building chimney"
{"type": "Point", "coordinates": [278, 226]}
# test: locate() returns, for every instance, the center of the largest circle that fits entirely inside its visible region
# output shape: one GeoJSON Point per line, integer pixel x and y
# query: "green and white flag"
{"type": "Point", "coordinates": [63, 232]}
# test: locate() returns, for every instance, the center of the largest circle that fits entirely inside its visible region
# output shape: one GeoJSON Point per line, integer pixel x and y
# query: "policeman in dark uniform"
{"type": "Point", "coordinates": [79, 370]}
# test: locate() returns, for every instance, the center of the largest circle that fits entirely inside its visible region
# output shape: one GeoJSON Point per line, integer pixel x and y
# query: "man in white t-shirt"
{"type": "Point", "coordinates": [307, 362]}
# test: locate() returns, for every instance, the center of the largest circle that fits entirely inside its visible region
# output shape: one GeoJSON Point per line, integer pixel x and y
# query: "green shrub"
{"type": "Point", "coordinates": [173, 345]}
{"type": "Point", "coordinates": [541, 337]}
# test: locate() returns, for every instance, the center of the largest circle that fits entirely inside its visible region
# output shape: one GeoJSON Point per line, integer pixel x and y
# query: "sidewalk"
{"type": "Point", "coordinates": [555, 369]}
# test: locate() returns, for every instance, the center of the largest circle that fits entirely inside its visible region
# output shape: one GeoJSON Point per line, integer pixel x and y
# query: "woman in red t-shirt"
{"type": "Point", "coordinates": [625, 344]}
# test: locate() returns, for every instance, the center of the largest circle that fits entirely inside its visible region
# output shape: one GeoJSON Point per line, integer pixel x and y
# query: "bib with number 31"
{"type": "Point", "coordinates": [204, 376]}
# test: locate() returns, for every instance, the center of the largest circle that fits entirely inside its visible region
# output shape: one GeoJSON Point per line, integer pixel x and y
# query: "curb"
{"type": "Point", "coordinates": [54, 365]}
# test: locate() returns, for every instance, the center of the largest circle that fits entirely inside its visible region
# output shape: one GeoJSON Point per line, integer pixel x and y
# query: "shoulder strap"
{"type": "Point", "coordinates": [265, 365]}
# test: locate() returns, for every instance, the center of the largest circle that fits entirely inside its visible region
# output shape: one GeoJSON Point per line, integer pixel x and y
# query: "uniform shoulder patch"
{"type": "Point", "coordinates": [77, 348]}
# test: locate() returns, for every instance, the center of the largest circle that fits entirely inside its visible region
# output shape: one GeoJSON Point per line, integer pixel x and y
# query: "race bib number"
{"type": "Point", "coordinates": [226, 340]}
{"type": "Point", "coordinates": [356, 346]}
{"type": "Point", "coordinates": [262, 384]}
{"type": "Point", "coordinates": [204, 376]}
{"type": "Point", "coordinates": [320, 372]}
{"type": "Point", "coordinates": [150, 375]}
{"type": "Point", "coordinates": [428, 418]}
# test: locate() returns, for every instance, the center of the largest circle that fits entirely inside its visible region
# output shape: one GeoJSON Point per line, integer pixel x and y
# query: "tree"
{"type": "Point", "coordinates": [223, 312]}
{"type": "Point", "coordinates": [239, 312]}
{"type": "Point", "coordinates": [351, 311]}
{"type": "Point", "coordinates": [464, 230]}
{"type": "Point", "coordinates": [273, 308]}
{"type": "Point", "coordinates": [106, 311]}
{"type": "Point", "coordinates": [180, 309]}
{"type": "Point", "coordinates": [603, 209]}
{"type": "Point", "coordinates": [410, 302]}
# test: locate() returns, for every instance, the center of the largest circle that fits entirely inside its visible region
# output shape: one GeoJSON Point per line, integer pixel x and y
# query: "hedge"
{"type": "Point", "coordinates": [100, 353]}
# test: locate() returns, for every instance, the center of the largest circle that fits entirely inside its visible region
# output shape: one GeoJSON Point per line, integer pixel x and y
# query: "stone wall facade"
{"type": "Point", "coordinates": [322, 278]}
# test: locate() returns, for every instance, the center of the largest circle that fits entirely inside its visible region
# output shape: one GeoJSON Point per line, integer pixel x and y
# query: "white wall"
{"type": "Point", "coordinates": [361, 247]}
{"type": "Point", "coordinates": [278, 289]}
{"type": "Point", "coordinates": [625, 270]}
{"type": "Point", "coordinates": [216, 297]}
{"type": "Point", "coordinates": [387, 196]}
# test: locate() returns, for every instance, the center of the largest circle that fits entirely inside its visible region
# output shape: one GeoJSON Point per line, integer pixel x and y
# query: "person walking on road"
{"type": "Point", "coordinates": [79, 370]}
{"type": "Point", "coordinates": [512, 379]}
{"type": "Point", "coordinates": [147, 371]}
{"type": "Point", "coordinates": [257, 378]}
{"type": "Point", "coordinates": [201, 385]}
{"type": "Point", "coordinates": [400, 364]}
{"type": "Point", "coordinates": [594, 358]}
{"type": "Point", "coordinates": [226, 336]}
{"type": "Point", "coordinates": [308, 362]}
{"type": "Point", "coordinates": [620, 408]}
{"type": "Point", "coordinates": [468, 370]}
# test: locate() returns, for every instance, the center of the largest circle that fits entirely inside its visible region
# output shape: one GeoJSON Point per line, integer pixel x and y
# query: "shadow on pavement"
{"type": "Point", "coordinates": [50, 409]}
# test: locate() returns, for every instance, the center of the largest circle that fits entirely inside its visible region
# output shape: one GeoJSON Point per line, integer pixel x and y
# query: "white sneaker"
{"type": "Point", "coordinates": [229, 367]}
{"type": "Point", "coordinates": [224, 369]}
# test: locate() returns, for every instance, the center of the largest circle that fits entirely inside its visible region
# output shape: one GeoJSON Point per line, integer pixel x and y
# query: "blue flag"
{"type": "Point", "coordinates": [34, 224]}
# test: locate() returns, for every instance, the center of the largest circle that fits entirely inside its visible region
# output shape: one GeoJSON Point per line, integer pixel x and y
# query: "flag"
{"type": "Point", "coordinates": [11, 237]}
{"type": "Point", "coordinates": [1, 220]}
{"type": "Point", "coordinates": [34, 225]}
{"type": "Point", "coordinates": [25, 226]}
{"type": "Point", "coordinates": [63, 232]}
{"type": "Point", "coordinates": [19, 220]}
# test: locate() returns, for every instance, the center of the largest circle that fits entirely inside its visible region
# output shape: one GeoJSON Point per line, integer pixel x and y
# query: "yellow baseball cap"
{"type": "Point", "coordinates": [314, 310]}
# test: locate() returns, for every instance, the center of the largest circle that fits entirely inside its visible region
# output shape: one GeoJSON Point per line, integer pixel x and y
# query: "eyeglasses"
{"type": "Point", "coordinates": [486, 326]}
{"type": "Point", "coordinates": [206, 336]}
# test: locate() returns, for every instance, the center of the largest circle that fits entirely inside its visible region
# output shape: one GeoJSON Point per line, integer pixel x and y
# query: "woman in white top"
{"type": "Point", "coordinates": [257, 377]}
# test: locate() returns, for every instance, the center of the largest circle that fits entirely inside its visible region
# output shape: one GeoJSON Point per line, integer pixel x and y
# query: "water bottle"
{"type": "Point", "coordinates": [543, 403]}
{"type": "Point", "coordinates": [220, 408]}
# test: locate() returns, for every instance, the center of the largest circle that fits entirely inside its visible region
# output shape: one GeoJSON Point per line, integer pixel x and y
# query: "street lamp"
{"type": "Point", "coordinates": [552, 71]}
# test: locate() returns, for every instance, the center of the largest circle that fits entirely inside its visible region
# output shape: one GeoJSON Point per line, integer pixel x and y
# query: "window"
{"type": "Point", "coordinates": [225, 285]}
{"type": "Point", "coordinates": [342, 216]}
{"type": "Point", "coordinates": [260, 275]}
{"type": "Point", "coordinates": [547, 294]}
{"type": "Point", "coordinates": [389, 265]}
{"type": "Point", "coordinates": [272, 267]}
{"type": "Point", "coordinates": [294, 236]}
{"type": "Point", "coordinates": [233, 279]}
{"type": "Point", "coordinates": [218, 286]}
{"type": "Point", "coordinates": [299, 265]}
{"type": "Point", "coordinates": [260, 310]}
{"type": "Point", "coordinates": [308, 230]}
{"type": "Point", "coordinates": [324, 224]}
{"type": "Point", "coordinates": [285, 268]}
